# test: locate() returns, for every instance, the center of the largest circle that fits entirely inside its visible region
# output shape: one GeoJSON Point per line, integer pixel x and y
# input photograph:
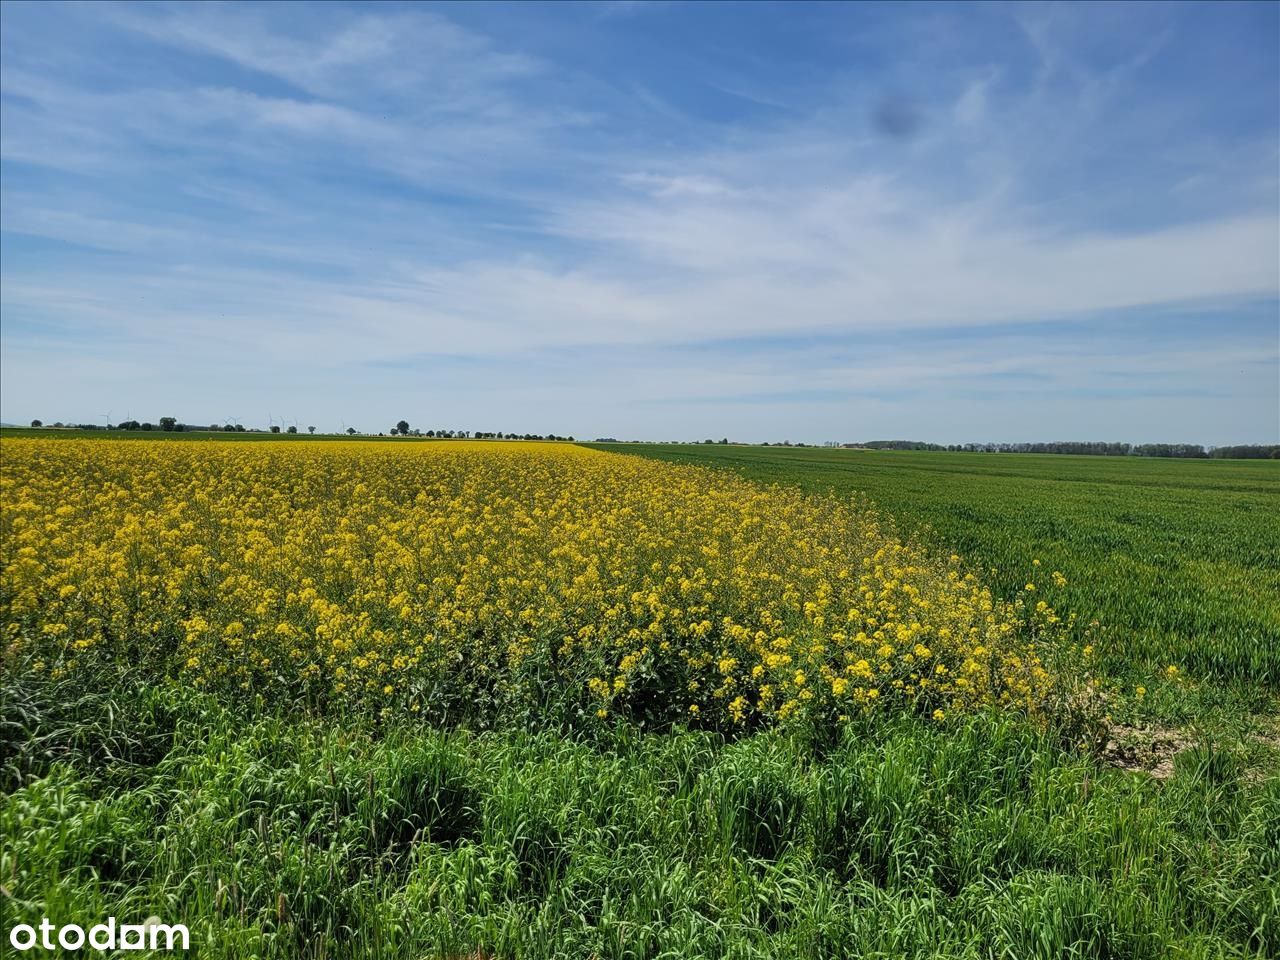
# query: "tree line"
{"type": "Point", "coordinates": [402, 429]}
{"type": "Point", "coordinates": [171, 425]}
{"type": "Point", "coordinates": [1094, 448]}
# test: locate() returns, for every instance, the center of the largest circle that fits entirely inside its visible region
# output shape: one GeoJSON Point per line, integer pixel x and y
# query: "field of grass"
{"type": "Point", "coordinates": [506, 700]}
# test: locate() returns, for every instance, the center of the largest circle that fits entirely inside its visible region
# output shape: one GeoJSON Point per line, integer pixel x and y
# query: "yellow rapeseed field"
{"type": "Point", "coordinates": [455, 577]}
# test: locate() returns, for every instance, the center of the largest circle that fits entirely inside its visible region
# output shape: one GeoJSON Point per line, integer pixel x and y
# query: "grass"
{"type": "Point", "coordinates": [275, 832]}
{"type": "Point", "coordinates": [275, 835]}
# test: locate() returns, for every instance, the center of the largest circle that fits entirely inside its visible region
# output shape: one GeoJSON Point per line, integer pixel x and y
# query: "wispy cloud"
{"type": "Point", "coordinates": [395, 206]}
{"type": "Point", "coordinates": [342, 57]}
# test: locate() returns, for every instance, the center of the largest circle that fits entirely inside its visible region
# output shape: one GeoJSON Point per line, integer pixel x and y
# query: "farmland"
{"type": "Point", "coordinates": [535, 700]}
{"type": "Point", "coordinates": [1179, 561]}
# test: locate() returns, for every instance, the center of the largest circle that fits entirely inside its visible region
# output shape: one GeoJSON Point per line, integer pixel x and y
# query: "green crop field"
{"type": "Point", "coordinates": [344, 700]}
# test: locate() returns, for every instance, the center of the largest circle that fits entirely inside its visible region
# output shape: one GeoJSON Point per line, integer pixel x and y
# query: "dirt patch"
{"type": "Point", "coordinates": [1268, 733]}
{"type": "Point", "coordinates": [1268, 737]}
{"type": "Point", "coordinates": [1150, 750]}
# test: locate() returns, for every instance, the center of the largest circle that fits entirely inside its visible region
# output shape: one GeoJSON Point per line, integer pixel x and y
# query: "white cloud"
{"type": "Point", "coordinates": [289, 215]}
{"type": "Point", "coordinates": [662, 186]}
{"type": "Point", "coordinates": [347, 56]}
{"type": "Point", "coordinates": [970, 109]}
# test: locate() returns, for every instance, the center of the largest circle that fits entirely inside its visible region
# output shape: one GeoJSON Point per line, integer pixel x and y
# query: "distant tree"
{"type": "Point", "coordinates": [725, 440]}
{"type": "Point", "coordinates": [311, 430]}
{"type": "Point", "coordinates": [37, 423]}
{"type": "Point", "coordinates": [1193, 450]}
{"type": "Point", "coordinates": [901, 445]}
{"type": "Point", "coordinates": [708, 440]}
{"type": "Point", "coordinates": [351, 431]}
{"type": "Point", "coordinates": [228, 428]}
{"type": "Point", "coordinates": [403, 427]}
{"type": "Point", "coordinates": [292, 429]}
{"type": "Point", "coordinates": [148, 426]}
{"type": "Point", "coordinates": [275, 428]}
{"type": "Point", "coordinates": [239, 428]}
{"type": "Point", "coordinates": [1248, 452]}
{"type": "Point", "coordinates": [168, 423]}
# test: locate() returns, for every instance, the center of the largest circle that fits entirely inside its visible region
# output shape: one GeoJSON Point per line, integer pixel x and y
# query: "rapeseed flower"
{"type": "Point", "coordinates": [434, 577]}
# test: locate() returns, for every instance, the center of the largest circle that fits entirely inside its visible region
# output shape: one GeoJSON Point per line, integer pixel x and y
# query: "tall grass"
{"type": "Point", "coordinates": [276, 836]}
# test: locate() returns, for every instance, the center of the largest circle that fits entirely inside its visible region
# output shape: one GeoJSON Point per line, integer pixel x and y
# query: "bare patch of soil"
{"type": "Point", "coordinates": [1149, 750]}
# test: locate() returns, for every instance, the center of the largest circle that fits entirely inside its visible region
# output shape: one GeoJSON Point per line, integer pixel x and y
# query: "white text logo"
{"type": "Point", "coordinates": [151, 934]}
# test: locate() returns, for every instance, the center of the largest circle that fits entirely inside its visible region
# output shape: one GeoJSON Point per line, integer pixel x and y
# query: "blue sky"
{"type": "Point", "coordinates": [665, 221]}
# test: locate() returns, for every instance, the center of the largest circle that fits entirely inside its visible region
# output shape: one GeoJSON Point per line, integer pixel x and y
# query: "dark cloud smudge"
{"type": "Point", "coordinates": [896, 117]}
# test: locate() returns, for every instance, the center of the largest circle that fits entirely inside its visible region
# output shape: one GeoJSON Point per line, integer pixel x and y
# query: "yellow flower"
{"type": "Point", "coordinates": [346, 571]}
